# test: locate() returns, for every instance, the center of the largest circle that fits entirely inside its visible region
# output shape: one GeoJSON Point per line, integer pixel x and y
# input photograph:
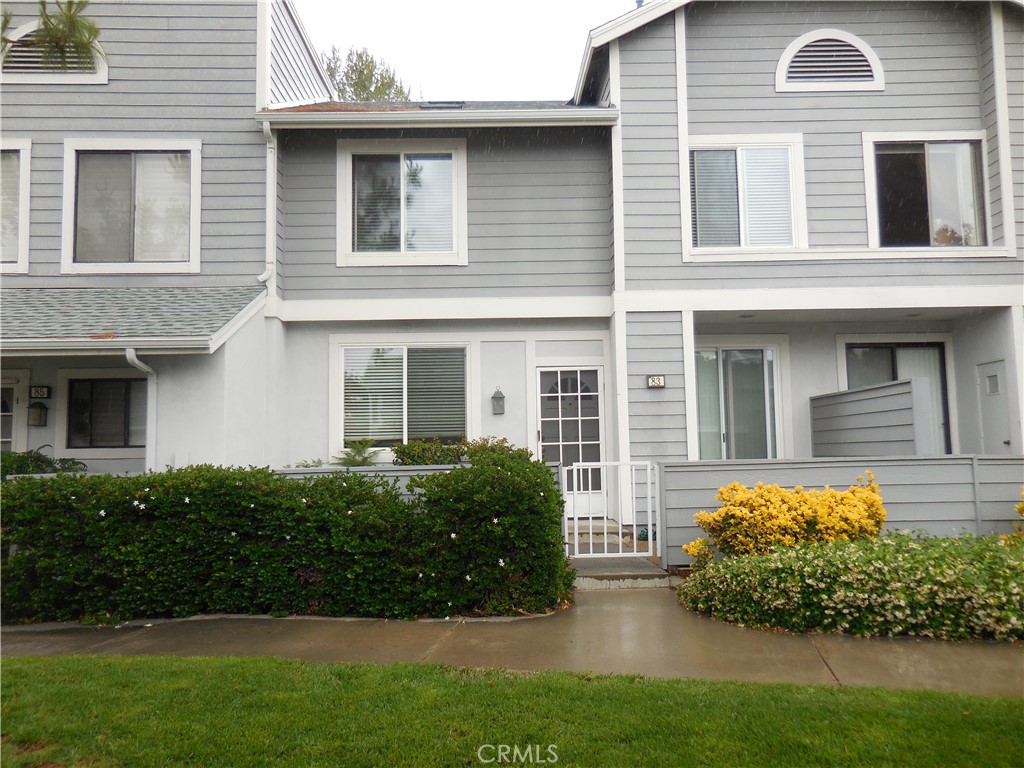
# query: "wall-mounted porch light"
{"type": "Point", "coordinates": [498, 402]}
{"type": "Point", "coordinates": [37, 414]}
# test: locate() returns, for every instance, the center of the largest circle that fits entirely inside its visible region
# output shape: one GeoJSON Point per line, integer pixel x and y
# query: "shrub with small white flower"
{"type": "Point", "coordinates": [210, 539]}
{"type": "Point", "coordinates": [899, 584]}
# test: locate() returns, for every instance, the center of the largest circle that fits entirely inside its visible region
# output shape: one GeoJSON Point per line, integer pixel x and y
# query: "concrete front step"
{"type": "Point", "coordinates": [593, 573]}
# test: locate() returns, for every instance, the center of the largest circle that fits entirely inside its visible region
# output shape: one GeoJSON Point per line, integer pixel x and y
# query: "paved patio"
{"type": "Point", "coordinates": [636, 631]}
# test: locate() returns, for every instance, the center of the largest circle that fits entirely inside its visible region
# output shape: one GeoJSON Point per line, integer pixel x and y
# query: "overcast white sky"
{"type": "Point", "coordinates": [470, 50]}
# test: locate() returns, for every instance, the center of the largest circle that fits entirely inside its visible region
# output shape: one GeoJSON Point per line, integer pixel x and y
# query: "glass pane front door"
{"type": "Point", "coordinates": [570, 421]}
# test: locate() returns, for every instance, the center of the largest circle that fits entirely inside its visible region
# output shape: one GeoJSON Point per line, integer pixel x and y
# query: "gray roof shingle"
{"type": "Point", "coordinates": [52, 314]}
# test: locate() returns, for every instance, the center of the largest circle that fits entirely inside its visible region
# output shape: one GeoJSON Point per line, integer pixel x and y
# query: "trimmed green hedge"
{"type": "Point", "coordinates": [900, 584]}
{"type": "Point", "coordinates": [209, 539]}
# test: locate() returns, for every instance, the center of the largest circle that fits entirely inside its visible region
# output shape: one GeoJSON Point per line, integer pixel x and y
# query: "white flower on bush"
{"type": "Point", "coordinates": [495, 521]}
{"type": "Point", "coordinates": [135, 503]}
{"type": "Point", "coordinates": [187, 500]}
{"type": "Point", "coordinates": [103, 513]}
{"type": "Point", "coordinates": [468, 577]}
{"type": "Point", "coordinates": [142, 506]}
{"type": "Point", "coordinates": [453, 535]}
{"type": "Point", "coordinates": [501, 562]}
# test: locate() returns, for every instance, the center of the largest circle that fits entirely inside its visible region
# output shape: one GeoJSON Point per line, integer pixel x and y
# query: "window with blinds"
{"type": "Point", "coordinates": [741, 197]}
{"type": "Point", "coordinates": [402, 202]}
{"type": "Point", "coordinates": [395, 394]}
{"type": "Point", "coordinates": [132, 207]}
{"type": "Point", "coordinates": [106, 413]}
{"type": "Point", "coordinates": [10, 205]}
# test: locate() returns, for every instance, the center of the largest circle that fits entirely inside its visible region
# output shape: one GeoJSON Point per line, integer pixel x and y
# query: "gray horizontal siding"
{"type": "Point", "coordinates": [942, 495]}
{"type": "Point", "coordinates": [873, 421]}
{"type": "Point", "coordinates": [938, 77]}
{"type": "Point", "coordinates": [945, 270]}
{"type": "Point", "coordinates": [176, 70]}
{"type": "Point", "coordinates": [539, 218]}
{"type": "Point", "coordinates": [293, 74]}
{"type": "Point", "coordinates": [930, 56]}
{"type": "Point", "coordinates": [657, 417]}
{"type": "Point", "coordinates": [650, 144]}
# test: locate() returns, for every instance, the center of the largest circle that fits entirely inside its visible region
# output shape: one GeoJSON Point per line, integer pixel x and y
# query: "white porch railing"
{"type": "Point", "coordinates": [609, 509]}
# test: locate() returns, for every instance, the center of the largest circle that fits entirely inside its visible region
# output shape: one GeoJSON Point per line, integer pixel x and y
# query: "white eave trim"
{"type": "Point", "coordinates": [443, 118]}
{"type": "Point", "coordinates": [115, 345]}
{"type": "Point", "coordinates": [616, 28]}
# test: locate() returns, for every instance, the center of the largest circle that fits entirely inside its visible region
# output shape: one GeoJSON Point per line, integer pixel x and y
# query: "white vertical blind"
{"type": "Point", "coordinates": [103, 207]}
{"type": "Point", "coordinates": [954, 194]}
{"type": "Point", "coordinates": [768, 214]}
{"type": "Point", "coordinates": [10, 189]}
{"type": "Point", "coordinates": [437, 393]}
{"type": "Point", "coordinates": [926, 363]}
{"type": "Point", "coordinates": [137, 412]}
{"type": "Point", "coordinates": [162, 184]}
{"type": "Point", "coordinates": [714, 198]}
{"type": "Point", "coordinates": [374, 394]}
{"type": "Point", "coordinates": [429, 203]}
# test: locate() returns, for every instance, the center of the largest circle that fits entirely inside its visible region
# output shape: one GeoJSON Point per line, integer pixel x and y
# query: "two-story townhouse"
{"type": "Point", "coordinates": [135, 231]}
{"type": "Point", "coordinates": [761, 241]}
{"type": "Point", "coordinates": [819, 241]}
{"type": "Point", "coordinates": [759, 237]}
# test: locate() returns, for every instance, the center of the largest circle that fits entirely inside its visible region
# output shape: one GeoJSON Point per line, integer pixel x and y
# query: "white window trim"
{"type": "Point", "coordinates": [779, 343]}
{"type": "Point", "coordinates": [18, 379]}
{"type": "Point", "coordinates": [783, 86]}
{"type": "Point", "coordinates": [60, 427]}
{"type": "Point", "coordinates": [792, 141]}
{"type": "Point", "coordinates": [946, 339]}
{"type": "Point", "coordinates": [336, 387]}
{"type": "Point", "coordinates": [460, 206]}
{"type": "Point", "coordinates": [870, 139]}
{"type": "Point", "coordinates": [56, 77]}
{"type": "Point", "coordinates": [67, 257]}
{"type": "Point", "coordinates": [24, 148]}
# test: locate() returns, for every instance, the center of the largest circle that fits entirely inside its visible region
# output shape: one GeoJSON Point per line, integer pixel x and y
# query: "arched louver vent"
{"type": "Point", "coordinates": [26, 56]}
{"type": "Point", "coordinates": [829, 60]}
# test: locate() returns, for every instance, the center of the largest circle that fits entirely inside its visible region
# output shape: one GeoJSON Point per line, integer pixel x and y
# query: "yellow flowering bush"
{"type": "Point", "coordinates": [1018, 528]}
{"type": "Point", "coordinates": [759, 519]}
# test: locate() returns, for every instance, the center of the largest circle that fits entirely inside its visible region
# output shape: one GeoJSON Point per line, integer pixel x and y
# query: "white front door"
{"type": "Point", "coordinates": [570, 431]}
{"type": "Point", "coordinates": [995, 409]}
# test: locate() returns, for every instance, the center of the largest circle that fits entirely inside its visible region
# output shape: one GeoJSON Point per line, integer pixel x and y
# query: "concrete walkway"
{"type": "Point", "coordinates": [637, 631]}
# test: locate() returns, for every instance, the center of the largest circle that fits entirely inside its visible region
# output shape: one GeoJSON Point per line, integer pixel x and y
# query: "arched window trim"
{"type": "Point", "coordinates": [877, 83]}
{"type": "Point", "coordinates": [54, 76]}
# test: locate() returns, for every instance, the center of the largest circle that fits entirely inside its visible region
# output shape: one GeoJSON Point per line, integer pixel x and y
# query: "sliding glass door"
{"type": "Point", "coordinates": [736, 403]}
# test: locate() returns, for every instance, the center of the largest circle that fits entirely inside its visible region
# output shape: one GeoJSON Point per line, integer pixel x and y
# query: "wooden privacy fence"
{"type": "Point", "coordinates": [942, 495]}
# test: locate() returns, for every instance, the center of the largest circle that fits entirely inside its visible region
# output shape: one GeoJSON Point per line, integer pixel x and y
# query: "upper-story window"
{"type": "Point", "coordinates": [746, 193]}
{"type": "Point", "coordinates": [131, 206]}
{"type": "Point", "coordinates": [925, 191]}
{"type": "Point", "coordinates": [402, 202]}
{"type": "Point", "coordinates": [829, 60]}
{"type": "Point", "coordinates": [14, 204]}
{"type": "Point", "coordinates": [25, 62]}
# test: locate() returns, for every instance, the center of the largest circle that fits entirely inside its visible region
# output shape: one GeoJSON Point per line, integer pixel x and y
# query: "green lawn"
{"type": "Point", "coordinates": [169, 711]}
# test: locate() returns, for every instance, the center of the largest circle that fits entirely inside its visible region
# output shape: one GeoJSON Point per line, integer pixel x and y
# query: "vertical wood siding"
{"type": "Point", "coordinates": [539, 220]}
{"type": "Point", "coordinates": [942, 495]}
{"type": "Point", "coordinates": [293, 75]}
{"type": "Point", "coordinates": [176, 70]}
{"type": "Point", "coordinates": [657, 417]}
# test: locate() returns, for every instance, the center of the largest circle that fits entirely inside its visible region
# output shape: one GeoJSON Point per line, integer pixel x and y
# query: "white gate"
{"type": "Point", "coordinates": [615, 519]}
